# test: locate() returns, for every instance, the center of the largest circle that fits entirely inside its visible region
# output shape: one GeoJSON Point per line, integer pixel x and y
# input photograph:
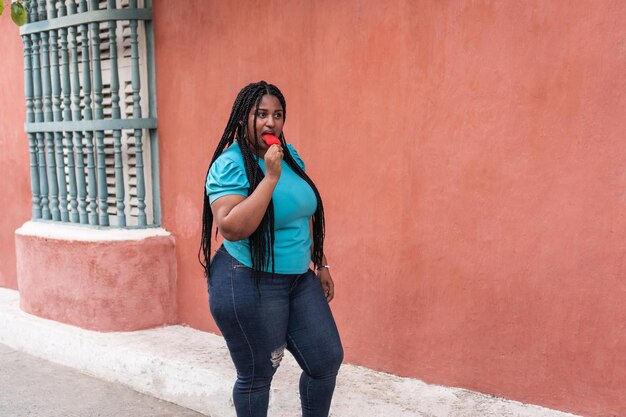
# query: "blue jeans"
{"type": "Point", "coordinates": [259, 323]}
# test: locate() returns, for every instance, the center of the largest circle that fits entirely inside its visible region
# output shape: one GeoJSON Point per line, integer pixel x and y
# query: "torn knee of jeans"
{"type": "Point", "coordinates": [277, 356]}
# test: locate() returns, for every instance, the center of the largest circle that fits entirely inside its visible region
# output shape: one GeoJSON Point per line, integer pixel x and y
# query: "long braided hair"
{"type": "Point", "coordinates": [262, 239]}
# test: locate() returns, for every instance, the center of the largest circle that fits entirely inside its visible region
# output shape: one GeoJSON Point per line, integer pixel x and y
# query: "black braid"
{"type": "Point", "coordinates": [262, 240]}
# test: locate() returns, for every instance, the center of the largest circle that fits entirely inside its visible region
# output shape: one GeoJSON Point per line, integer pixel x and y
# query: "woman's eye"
{"type": "Point", "coordinates": [278, 116]}
{"type": "Point", "coordinates": [261, 114]}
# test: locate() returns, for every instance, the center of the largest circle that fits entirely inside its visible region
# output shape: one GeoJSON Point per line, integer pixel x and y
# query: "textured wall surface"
{"type": "Point", "coordinates": [15, 196]}
{"type": "Point", "coordinates": [472, 160]}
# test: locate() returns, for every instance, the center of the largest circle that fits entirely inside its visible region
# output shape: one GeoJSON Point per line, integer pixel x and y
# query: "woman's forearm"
{"type": "Point", "coordinates": [245, 217]}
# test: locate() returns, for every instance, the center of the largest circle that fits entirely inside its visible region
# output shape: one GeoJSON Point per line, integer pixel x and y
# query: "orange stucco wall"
{"type": "Point", "coordinates": [472, 158]}
{"type": "Point", "coordinates": [15, 196]}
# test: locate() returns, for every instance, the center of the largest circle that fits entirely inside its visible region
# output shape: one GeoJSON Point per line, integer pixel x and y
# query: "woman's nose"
{"type": "Point", "coordinates": [269, 121]}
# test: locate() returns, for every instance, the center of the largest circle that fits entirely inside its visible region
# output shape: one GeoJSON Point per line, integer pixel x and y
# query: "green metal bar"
{"type": "Point", "coordinates": [57, 117]}
{"type": "Point", "coordinates": [136, 88]}
{"type": "Point", "coordinates": [30, 117]}
{"type": "Point", "coordinates": [42, 10]}
{"type": "Point", "coordinates": [102, 186]}
{"type": "Point", "coordinates": [88, 17]}
{"type": "Point", "coordinates": [67, 117]}
{"type": "Point", "coordinates": [152, 112]}
{"type": "Point", "coordinates": [88, 115]}
{"type": "Point", "coordinates": [37, 100]}
{"type": "Point", "coordinates": [33, 17]}
{"type": "Point", "coordinates": [103, 193]}
{"type": "Point", "coordinates": [76, 115]}
{"type": "Point", "coordinates": [47, 106]}
{"type": "Point", "coordinates": [116, 114]}
{"type": "Point", "coordinates": [105, 124]}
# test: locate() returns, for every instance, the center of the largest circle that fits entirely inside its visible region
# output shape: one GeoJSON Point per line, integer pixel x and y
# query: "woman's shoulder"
{"type": "Point", "coordinates": [230, 158]}
{"type": "Point", "coordinates": [232, 153]}
{"type": "Point", "coordinates": [227, 174]}
{"type": "Point", "coordinates": [229, 163]}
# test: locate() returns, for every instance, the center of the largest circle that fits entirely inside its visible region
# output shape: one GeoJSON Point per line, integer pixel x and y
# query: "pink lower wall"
{"type": "Point", "coordinates": [15, 196]}
{"type": "Point", "coordinates": [471, 156]}
{"type": "Point", "coordinates": [104, 285]}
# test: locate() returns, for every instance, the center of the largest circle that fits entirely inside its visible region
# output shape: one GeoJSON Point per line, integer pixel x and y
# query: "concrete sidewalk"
{"type": "Point", "coordinates": [35, 387]}
{"type": "Point", "coordinates": [193, 369]}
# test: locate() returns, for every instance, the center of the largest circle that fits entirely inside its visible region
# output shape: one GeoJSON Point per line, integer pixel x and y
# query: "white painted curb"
{"type": "Point", "coordinates": [193, 369]}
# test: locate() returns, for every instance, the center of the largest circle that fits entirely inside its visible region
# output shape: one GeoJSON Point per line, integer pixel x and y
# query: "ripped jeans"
{"type": "Point", "coordinates": [284, 312]}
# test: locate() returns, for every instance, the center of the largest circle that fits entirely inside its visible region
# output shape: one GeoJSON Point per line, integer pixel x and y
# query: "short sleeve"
{"type": "Point", "coordinates": [295, 155]}
{"type": "Point", "coordinates": [226, 177]}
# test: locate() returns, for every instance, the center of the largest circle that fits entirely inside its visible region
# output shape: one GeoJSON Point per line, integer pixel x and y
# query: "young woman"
{"type": "Point", "coordinates": [262, 293]}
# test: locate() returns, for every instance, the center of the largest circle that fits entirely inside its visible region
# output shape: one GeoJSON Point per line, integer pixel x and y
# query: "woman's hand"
{"type": "Point", "coordinates": [327, 283]}
{"type": "Point", "coordinates": [272, 158]}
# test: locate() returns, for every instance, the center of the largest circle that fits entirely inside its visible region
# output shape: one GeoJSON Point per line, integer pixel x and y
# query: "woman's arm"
{"type": "Point", "coordinates": [323, 273]}
{"type": "Point", "coordinates": [237, 216]}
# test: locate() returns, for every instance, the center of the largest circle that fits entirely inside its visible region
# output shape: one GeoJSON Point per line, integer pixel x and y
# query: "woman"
{"type": "Point", "coordinates": [262, 293]}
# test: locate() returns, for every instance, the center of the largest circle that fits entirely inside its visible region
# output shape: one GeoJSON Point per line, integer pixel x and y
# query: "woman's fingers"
{"type": "Point", "coordinates": [330, 291]}
{"type": "Point", "coordinates": [276, 153]}
{"type": "Point", "coordinates": [328, 284]}
{"type": "Point", "coordinates": [272, 159]}
{"type": "Point", "coordinates": [275, 150]}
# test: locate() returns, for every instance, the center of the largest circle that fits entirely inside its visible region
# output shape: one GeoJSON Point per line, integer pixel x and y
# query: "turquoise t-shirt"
{"type": "Point", "coordinates": [294, 204]}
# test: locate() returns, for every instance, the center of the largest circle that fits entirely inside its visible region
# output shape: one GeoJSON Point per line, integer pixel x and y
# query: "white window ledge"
{"type": "Point", "coordinates": [68, 231]}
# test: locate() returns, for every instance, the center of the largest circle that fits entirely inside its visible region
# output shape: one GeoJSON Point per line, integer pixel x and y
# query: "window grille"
{"type": "Point", "coordinates": [90, 112]}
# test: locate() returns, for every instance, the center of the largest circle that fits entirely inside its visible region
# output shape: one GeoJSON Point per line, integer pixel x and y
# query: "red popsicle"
{"type": "Point", "coordinates": [271, 139]}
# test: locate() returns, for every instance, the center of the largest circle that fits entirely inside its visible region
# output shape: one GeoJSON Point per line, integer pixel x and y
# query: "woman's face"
{"type": "Point", "coordinates": [270, 119]}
